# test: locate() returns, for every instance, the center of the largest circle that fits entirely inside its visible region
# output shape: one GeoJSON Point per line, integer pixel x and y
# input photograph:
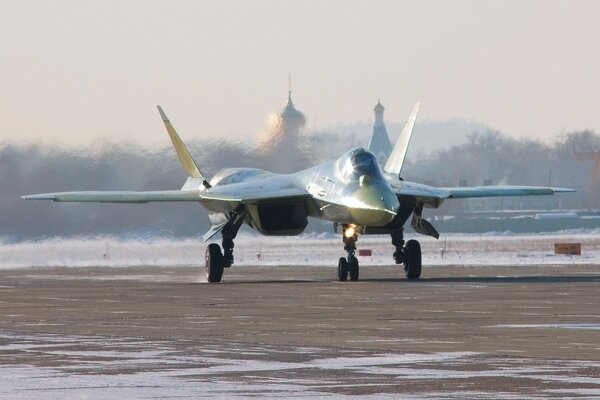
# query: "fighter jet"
{"type": "Point", "coordinates": [352, 191]}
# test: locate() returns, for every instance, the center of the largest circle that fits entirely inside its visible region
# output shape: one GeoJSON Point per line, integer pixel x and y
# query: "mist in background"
{"type": "Point", "coordinates": [478, 156]}
{"type": "Point", "coordinates": [73, 72]}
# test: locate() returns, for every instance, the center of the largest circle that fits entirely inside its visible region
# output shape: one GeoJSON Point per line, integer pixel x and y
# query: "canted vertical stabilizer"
{"type": "Point", "coordinates": [185, 158]}
{"type": "Point", "coordinates": [396, 160]}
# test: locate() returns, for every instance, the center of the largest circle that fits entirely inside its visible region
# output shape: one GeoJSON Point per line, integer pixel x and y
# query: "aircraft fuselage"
{"type": "Point", "coordinates": [349, 190]}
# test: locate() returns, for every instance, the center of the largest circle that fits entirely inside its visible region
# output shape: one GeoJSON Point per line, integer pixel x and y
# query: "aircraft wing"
{"type": "Point", "coordinates": [501, 191]}
{"type": "Point", "coordinates": [259, 196]}
{"type": "Point", "coordinates": [228, 195]}
{"type": "Point", "coordinates": [410, 189]}
{"type": "Point", "coordinates": [433, 196]}
{"type": "Point", "coordinates": [117, 196]}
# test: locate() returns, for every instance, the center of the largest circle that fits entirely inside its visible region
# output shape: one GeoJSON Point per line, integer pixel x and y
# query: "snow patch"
{"type": "Point", "coordinates": [309, 249]}
{"type": "Point", "coordinates": [107, 367]}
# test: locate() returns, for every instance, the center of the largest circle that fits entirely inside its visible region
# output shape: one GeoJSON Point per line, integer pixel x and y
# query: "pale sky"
{"type": "Point", "coordinates": [74, 72]}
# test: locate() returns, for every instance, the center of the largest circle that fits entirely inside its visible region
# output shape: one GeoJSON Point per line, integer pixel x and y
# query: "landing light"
{"type": "Point", "coordinates": [350, 231]}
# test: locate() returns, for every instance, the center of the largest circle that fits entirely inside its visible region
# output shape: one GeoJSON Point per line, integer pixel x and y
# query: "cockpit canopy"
{"type": "Point", "coordinates": [359, 162]}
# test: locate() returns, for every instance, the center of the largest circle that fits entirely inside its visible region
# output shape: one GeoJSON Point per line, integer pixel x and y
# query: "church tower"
{"type": "Point", "coordinates": [286, 150]}
{"type": "Point", "coordinates": [380, 144]}
{"type": "Point", "coordinates": [291, 119]}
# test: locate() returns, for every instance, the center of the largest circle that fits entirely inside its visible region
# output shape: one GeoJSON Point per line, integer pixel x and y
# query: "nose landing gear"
{"type": "Point", "coordinates": [349, 265]}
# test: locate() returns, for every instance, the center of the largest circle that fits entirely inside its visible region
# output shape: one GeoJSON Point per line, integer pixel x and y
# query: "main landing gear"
{"type": "Point", "coordinates": [349, 265]}
{"type": "Point", "coordinates": [408, 254]}
{"type": "Point", "coordinates": [214, 263]}
{"type": "Point", "coordinates": [216, 260]}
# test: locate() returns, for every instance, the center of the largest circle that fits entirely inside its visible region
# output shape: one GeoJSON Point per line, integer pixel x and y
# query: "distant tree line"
{"type": "Point", "coordinates": [491, 157]}
{"type": "Point", "coordinates": [34, 169]}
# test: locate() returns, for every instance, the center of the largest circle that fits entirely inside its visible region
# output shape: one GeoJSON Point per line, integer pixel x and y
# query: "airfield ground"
{"type": "Point", "coordinates": [295, 332]}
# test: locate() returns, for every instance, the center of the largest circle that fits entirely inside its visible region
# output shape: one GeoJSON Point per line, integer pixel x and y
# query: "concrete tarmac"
{"type": "Point", "coordinates": [295, 332]}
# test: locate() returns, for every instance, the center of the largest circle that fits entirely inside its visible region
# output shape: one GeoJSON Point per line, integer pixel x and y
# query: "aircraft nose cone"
{"type": "Point", "coordinates": [389, 203]}
{"type": "Point", "coordinates": [377, 205]}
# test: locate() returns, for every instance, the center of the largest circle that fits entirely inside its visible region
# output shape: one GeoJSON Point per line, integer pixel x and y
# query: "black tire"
{"type": "Point", "coordinates": [342, 270]}
{"type": "Point", "coordinates": [214, 263]}
{"type": "Point", "coordinates": [412, 262]}
{"type": "Point", "coordinates": [353, 269]}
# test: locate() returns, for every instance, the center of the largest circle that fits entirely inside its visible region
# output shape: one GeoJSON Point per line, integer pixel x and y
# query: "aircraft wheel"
{"type": "Point", "coordinates": [342, 270]}
{"type": "Point", "coordinates": [214, 263]}
{"type": "Point", "coordinates": [353, 269]}
{"type": "Point", "coordinates": [412, 262]}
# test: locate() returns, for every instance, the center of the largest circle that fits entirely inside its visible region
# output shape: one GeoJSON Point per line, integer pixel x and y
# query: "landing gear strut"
{"type": "Point", "coordinates": [216, 260]}
{"type": "Point", "coordinates": [409, 255]}
{"type": "Point", "coordinates": [349, 265]}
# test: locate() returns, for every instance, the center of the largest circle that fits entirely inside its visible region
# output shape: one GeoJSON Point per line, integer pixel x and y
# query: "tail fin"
{"type": "Point", "coordinates": [396, 161]}
{"type": "Point", "coordinates": [185, 158]}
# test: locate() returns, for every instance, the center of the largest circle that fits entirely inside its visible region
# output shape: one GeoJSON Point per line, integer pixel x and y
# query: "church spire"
{"type": "Point", "coordinates": [379, 109]}
{"type": "Point", "coordinates": [291, 118]}
{"type": "Point", "coordinates": [380, 144]}
{"type": "Point", "coordinates": [290, 90]}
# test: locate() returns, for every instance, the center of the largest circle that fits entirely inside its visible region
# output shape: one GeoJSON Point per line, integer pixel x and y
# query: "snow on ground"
{"type": "Point", "coordinates": [308, 249]}
{"type": "Point", "coordinates": [168, 369]}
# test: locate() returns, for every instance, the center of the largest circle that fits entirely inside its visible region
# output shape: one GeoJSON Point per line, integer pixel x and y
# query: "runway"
{"type": "Point", "coordinates": [499, 332]}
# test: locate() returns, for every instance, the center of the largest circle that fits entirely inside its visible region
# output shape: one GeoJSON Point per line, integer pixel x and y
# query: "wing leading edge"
{"type": "Point", "coordinates": [408, 190]}
{"type": "Point", "coordinates": [501, 191]}
{"type": "Point", "coordinates": [134, 197]}
{"type": "Point", "coordinates": [433, 195]}
{"type": "Point", "coordinates": [117, 196]}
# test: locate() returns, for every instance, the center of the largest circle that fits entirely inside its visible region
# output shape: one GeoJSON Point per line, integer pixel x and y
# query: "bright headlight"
{"type": "Point", "coordinates": [350, 231]}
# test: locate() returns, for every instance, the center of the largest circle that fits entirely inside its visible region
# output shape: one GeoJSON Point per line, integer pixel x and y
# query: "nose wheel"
{"type": "Point", "coordinates": [347, 269]}
{"type": "Point", "coordinates": [348, 266]}
{"type": "Point", "coordinates": [342, 271]}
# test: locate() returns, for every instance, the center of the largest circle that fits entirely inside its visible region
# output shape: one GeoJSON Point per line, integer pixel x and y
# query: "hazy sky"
{"type": "Point", "coordinates": [72, 72]}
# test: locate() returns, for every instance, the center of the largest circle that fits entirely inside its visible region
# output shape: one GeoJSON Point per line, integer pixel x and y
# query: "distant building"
{"type": "Point", "coordinates": [291, 119]}
{"type": "Point", "coordinates": [285, 149]}
{"type": "Point", "coordinates": [380, 144]}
